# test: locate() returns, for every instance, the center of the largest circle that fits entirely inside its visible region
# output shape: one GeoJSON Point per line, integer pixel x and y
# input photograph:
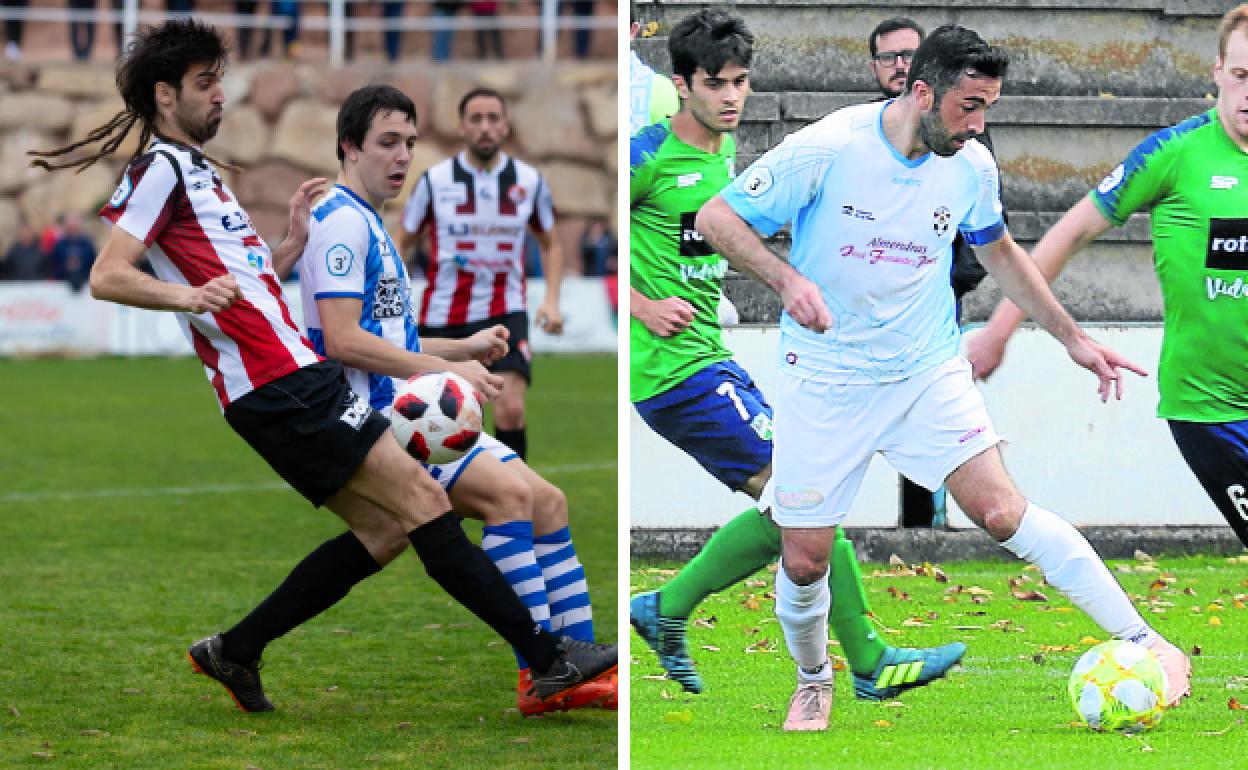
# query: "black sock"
{"type": "Point", "coordinates": [317, 583]}
{"type": "Point", "coordinates": [516, 439]}
{"type": "Point", "coordinates": [466, 573]}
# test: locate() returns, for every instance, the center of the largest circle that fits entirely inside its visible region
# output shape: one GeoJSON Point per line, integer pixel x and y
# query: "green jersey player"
{"type": "Point", "coordinates": [683, 380]}
{"type": "Point", "coordinates": [1194, 178]}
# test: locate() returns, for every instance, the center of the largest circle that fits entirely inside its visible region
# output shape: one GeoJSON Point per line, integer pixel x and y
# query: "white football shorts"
{"type": "Point", "coordinates": [448, 474]}
{"type": "Point", "coordinates": [926, 426]}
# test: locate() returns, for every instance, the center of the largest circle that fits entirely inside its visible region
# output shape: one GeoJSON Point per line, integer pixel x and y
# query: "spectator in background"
{"type": "Point", "coordinates": [180, 6]}
{"type": "Point", "coordinates": [444, 39]}
{"type": "Point", "coordinates": [74, 254]}
{"type": "Point", "coordinates": [393, 11]}
{"type": "Point", "coordinates": [288, 12]}
{"type": "Point", "coordinates": [82, 33]}
{"type": "Point", "coordinates": [489, 41]}
{"type": "Point", "coordinates": [24, 261]}
{"type": "Point", "coordinates": [13, 30]}
{"type": "Point", "coordinates": [245, 33]}
{"type": "Point", "coordinates": [598, 247]}
{"type": "Point", "coordinates": [583, 10]}
{"type": "Point", "coordinates": [51, 234]}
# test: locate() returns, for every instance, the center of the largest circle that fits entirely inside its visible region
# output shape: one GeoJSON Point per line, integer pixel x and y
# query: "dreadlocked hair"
{"type": "Point", "coordinates": [157, 55]}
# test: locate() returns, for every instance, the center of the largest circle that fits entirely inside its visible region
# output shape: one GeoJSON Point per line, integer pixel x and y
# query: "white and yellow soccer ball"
{"type": "Point", "coordinates": [436, 417]}
{"type": "Point", "coordinates": [1118, 685]}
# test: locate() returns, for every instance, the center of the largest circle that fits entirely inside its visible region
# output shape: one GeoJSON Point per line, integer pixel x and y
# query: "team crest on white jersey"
{"type": "Point", "coordinates": [759, 181]}
{"type": "Point", "coordinates": [940, 220]}
{"type": "Point", "coordinates": [516, 194]}
{"type": "Point", "coordinates": [338, 259]}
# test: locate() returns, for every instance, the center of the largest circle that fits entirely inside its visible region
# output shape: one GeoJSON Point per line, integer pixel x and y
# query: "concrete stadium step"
{"type": "Point", "coordinates": [1059, 47]}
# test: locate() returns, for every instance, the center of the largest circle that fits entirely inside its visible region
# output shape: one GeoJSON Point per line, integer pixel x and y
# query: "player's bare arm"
{"type": "Point", "coordinates": [485, 347]}
{"type": "Point", "coordinates": [1080, 226]}
{"type": "Point", "coordinates": [731, 237]}
{"type": "Point", "coordinates": [1022, 281]}
{"type": "Point", "coordinates": [663, 317]}
{"type": "Point", "coordinates": [548, 316]}
{"type": "Point", "coordinates": [288, 252]}
{"type": "Point", "coordinates": [115, 278]}
{"type": "Point", "coordinates": [348, 342]}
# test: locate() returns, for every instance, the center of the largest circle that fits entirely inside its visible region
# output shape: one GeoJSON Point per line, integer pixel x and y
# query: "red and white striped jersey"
{"type": "Point", "coordinates": [478, 221]}
{"type": "Point", "coordinates": [175, 202]}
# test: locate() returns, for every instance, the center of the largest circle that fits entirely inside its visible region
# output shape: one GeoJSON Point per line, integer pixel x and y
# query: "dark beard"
{"type": "Point", "coordinates": [485, 156]}
{"type": "Point", "coordinates": [934, 134]}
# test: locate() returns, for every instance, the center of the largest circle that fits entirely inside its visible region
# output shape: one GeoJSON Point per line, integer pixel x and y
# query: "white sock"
{"type": "Point", "coordinates": [803, 614]}
{"type": "Point", "coordinates": [1071, 566]}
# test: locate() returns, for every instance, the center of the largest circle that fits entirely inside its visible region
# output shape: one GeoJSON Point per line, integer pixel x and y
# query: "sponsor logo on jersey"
{"type": "Point", "coordinates": [255, 260]}
{"type": "Point", "coordinates": [1227, 248]}
{"type": "Point", "coordinates": [517, 194]}
{"type": "Point", "coordinates": [889, 252]}
{"type": "Point", "coordinates": [970, 434]}
{"type": "Point", "coordinates": [940, 220]}
{"type": "Point", "coordinates": [235, 222]}
{"type": "Point", "coordinates": [907, 181]}
{"type": "Point", "coordinates": [709, 271]}
{"type": "Point", "coordinates": [1223, 182]}
{"type": "Point", "coordinates": [758, 182]}
{"type": "Point", "coordinates": [1112, 180]}
{"type": "Point", "coordinates": [692, 244]}
{"type": "Point", "coordinates": [456, 194]}
{"type": "Point", "coordinates": [1219, 287]}
{"type": "Point", "coordinates": [857, 213]}
{"type": "Point", "coordinates": [201, 184]}
{"type": "Point", "coordinates": [122, 193]}
{"type": "Point", "coordinates": [689, 180]}
{"type": "Point", "coordinates": [338, 260]}
{"type": "Point", "coordinates": [790, 358]}
{"type": "Point", "coordinates": [388, 298]}
{"type": "Point", "coordinates": [458, 229]}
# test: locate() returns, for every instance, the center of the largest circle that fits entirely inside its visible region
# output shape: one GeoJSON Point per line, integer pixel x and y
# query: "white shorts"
{"type": "Point", "coordinates": [926, 426]}
{"type": "Point", "coordinates": [448, 474]}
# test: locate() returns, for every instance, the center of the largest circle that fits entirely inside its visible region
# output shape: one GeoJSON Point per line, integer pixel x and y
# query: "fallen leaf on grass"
{"type": "Point", "coordinates": [898, 594]}
{"type": "Point", "coordinates": [1215, 620]}
{"type": "Point", "coordinates": [968, 628]}
{"type": "Point", "coordinates": [1234, 705]}
{"type": "Point", "coordinates": [93, 733]}
{"type": "Point", "coordinates": [678, 717]}
{"type": "Point", "coordinates": [43, 755]}
{"type": "Point", "coordinates": [131, 691]}
{"type": "Point", "coordinates": [756, 584]}
{"type": "Point", "coordinates": [705, 622]}
{"type": "Point", "coordinates": [522, 739]}
{"type": "Point", "coordinates": [342, 631]}
{"type": "Point", "coordinates": [1224, 730]}
{"type": "Point", "coordinates": [1030, 596]}
{"type": "Point", "coordinates": [665, 695]}
{"type": "Point", "coordinates": [657, 571]}
{"type": "Point", "coordinates": [1196, 650]}
{"type": "Point", "coordinates": [1057, 648]}
{"type": "Point", "coordinates": [13, 710]}
{"type": "Point", "coordinates": [914, 623]}
{"type": "Point", "coordinates": [332, 688]}
{"type": "Point", "coordinates": [751, 604]}
{"type": "Point", "coordinates": [1089, 640]}
{"type": "Point", "coordinates": [403, 726]}
{"type": "Point", "coordinates": [882, 723]}
{"type": "Point", "coordinates": [939, 575]}
{"type": "Point", "coordinates": [710, 648]}
{"type": "Point", "coordinates": [239, 731]}
{"type": "Point", "coordinates": [431, 626]}
{"type": "Point", "coordinates": [654, 677]}
{"type": "Point", "coordinates": [1141, 556]}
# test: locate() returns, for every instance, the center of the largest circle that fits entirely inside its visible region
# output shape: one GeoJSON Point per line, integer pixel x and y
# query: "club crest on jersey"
{"type": "Point", "coordinates": [517, 194]}
{"type": "Point", "coordinates": [338, 260]}
{"type": "Point", "coordinates": [122, 193]}
{"type": "Point", "coordinates": [1112, 180]}
{"type": "Point", "coordinates": [940, 220]}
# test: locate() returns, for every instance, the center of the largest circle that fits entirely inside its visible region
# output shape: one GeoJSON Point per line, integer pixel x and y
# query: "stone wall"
{"type": "Point", "coordinates": [280, 127]}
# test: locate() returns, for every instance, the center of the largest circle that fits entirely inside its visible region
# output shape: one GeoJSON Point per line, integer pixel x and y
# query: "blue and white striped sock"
{"type": "Point", "coordinates": [566, 589]}
{"type": "Point", "coordinates": [510, 547]}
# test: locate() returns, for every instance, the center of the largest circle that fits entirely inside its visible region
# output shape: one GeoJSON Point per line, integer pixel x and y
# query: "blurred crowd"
{"type": "Point", "coordinates": [64, 251]}
{"type": "Point", "coordinates": [277, 27]}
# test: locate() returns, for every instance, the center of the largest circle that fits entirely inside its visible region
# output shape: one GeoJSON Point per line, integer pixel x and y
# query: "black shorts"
{"type": "Point", "coordinates": [1218, 454]}
{"type": "Point", "coordinates": [310, 427]}
{"type": "Point", "coordinates": [518, 358]}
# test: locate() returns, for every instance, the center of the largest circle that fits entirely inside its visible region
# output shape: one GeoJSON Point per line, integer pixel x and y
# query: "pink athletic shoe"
{"type": "Point", "coordinates": [809, 707]}
{"type": "Point", "coordinates": [1178, 671]}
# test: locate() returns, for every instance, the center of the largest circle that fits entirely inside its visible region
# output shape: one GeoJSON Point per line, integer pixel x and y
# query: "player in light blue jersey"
{"type": "Point", "coordinates": [358, 310]}
{"type": "Point", "coordinates": [869, 359]}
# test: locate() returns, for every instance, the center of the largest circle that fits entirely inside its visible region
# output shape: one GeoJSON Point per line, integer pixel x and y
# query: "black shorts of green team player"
{"type": "Point", "coordinates": [310, 427]}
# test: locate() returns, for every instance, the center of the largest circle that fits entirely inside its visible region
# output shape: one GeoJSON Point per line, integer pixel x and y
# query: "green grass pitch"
{"type": "Point", "coordinates": [1006, 707]}
{"type": "Point", "coordinates": [133, 521]}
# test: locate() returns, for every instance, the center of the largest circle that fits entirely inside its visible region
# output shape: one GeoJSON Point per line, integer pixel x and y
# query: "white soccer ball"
{"type": "Point", "coordinates": [1118, 685]}
{"type": "Point", "coordinates": [436, 417]}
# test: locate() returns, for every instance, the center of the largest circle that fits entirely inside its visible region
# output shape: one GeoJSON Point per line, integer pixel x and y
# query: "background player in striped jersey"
{"type": "Point", "coordinates": [683, 380]}
{"type": "Point", "coordinates": [1193, 177]}
{"type": "Point", "coordinates": [477, 207]}
{"type": "Point", "coordinates": [357, 308]}
{"type": "Point", "coordinates": [293, 408]}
